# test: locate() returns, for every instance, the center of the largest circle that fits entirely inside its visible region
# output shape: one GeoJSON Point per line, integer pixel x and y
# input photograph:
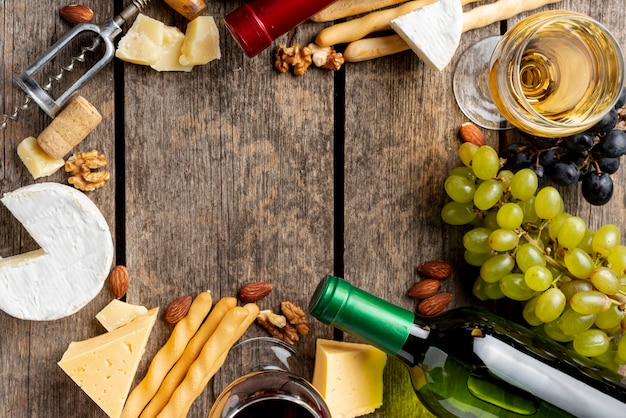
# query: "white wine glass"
{"type": "Point", "coordinates": [273, 383]}
{"type": "Point", "coordinates": [555, 73]}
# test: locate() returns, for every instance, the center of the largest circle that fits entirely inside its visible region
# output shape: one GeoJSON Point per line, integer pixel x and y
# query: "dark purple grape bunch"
{"type": "Point", "coordinates": [588, 158]}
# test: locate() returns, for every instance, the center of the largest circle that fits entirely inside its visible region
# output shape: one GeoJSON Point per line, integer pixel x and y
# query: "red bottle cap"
{"type": "Point", "coordinates": [249, 32]}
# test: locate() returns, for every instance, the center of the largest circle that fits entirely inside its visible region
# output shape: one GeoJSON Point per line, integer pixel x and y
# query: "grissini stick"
{"type": "Point", "coordinates": [478, 17]}
{"type": "Point", "coordinates": [345, 8]}
{"type": "Point", "coordinates": [360, 27]}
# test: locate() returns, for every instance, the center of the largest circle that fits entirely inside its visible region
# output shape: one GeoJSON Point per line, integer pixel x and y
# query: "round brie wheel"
{"type": "Point", "coordinates": [74, 259]}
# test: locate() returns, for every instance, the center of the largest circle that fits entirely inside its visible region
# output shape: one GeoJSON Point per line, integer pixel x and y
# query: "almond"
{"type": "Point", "coordinates": [177, 309]}
{"type": "Point", "coordinates": [118, 281]}
{"type": "Point", "coordinates": [254, 291]}
{"type": "Point", "coordinates": [434, 304]}
{"type": "Point", "coordinates": [435, 269]}
{"type": "Point", "coordinates": [468, 132]}
{"type": "Point", "coordinates": [76, 13]}
{"type": "Point", "coordinates": [424, 288]}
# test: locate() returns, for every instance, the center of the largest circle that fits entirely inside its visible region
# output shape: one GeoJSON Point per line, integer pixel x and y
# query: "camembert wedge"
{"type": "Point", "coordinates": [104, 366]}
{"type": "Point", "coordinates": [349, 377]}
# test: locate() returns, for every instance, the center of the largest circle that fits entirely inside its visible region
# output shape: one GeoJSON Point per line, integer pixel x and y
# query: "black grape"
{"type": "Point", "coordinates": [613, 144]}
{"type": "Point", "coordinates": [597, 188]}
{"type": "Point", "coordinates": [606, 123]}
{"type": "Point", "coordinates": [608, 165]}
{"type": "Point", "coordinates": [564, 173]}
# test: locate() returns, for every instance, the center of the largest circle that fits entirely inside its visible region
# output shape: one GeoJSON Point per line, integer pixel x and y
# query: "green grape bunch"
{"type": "Point", "coordinates": [570, 279]}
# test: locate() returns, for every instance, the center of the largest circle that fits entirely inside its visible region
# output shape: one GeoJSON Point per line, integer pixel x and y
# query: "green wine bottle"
{"type": "Point", "coordinates": [473, 363]}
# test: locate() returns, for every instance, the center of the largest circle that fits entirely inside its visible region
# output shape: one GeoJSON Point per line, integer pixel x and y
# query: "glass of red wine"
{"type": "Point", "coordinates": [273, 383]}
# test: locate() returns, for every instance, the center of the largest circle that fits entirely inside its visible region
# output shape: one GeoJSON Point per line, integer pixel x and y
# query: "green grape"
{"type": "Point", "coordinates": [622, 284]}
{"type": "Point", "coordinates": [617, 259]}
{"type": "Point", "coordinates": [475, 259]}
{"type": "Point", "coordinates": [486, 162]}
{"type": "Point", "coordinates": [460, 189]}
{"type": "Point", "coordinates": [538, 278]}
{"type": "Point", "coordinates": [528, 313]}
{"type": "Point", "coordinates": [572, 323]}
{"type": "Point", "coordinates": [585, 243]}
{"type": "Point", "coordinates": [528, 207]}
{"type": "Point", "coordinates": [466, 153]}
{"type": "Point", "coordinates": [455, 213]}
{"type": "Point", "coordinates": [487, 194]}
{"type": "Point", "coordinates": [578, 263]}
{"type": "Point", "coordinates": [574, 286]}
{"type": "Point", "coordinates": [552, 330]}
{"type": "Point", "coordinates": [591, 302]}
{"type": "Point", "coordinates": [510, 216]}
{"type": "Point", "coordinates": [514, 287]}
{"type": "Point", "coordinates": [505, 177]}
{"type": "Point", "coordinates": [555, 224]}
{"type": "Point", "coordinates": [591, 343]}
{"type": "Point", "coordinates": [605, 280]}
{"type": "Point", "coordinates": [463, 171]}
{"type": "Point", "coordinates": [528, 255]}
{"type": "Point", "coordinates": [477, 240]}
{"type": "Point", "coordinates": [478, 289]}
{"type": "Point", "coordinates": [491, 220]}
{"type": "Point", "coordinates": [606, 239]}
{"type": "Point", "coordinates": [621, 348]}
{"type": "Point", "coordinates": [550, 305]}
{"type": "Point", "coordinates": [493, 291]}
{"type": "Point", "coordinates": [548, 203]}
{"type": "Point", "coordinates": [611, 318]}
{"type": "Point", "coordinates": [497, 267]}
{"type": "Point", "coordinates": [503, 240]}
{"type": "Point", "coordinates": [571, 232]}
{"type": "Point", "coordinates": [524, 184]}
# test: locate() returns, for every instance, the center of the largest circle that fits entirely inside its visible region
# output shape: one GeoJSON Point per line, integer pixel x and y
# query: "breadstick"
{"type": "Point", "coordinates": [478, 17]}
{"type": "Point", "coordinates": [193, 349]}
{"type": "Point", "coordinates": [346, 8]}
{"type": "Point", "coordinates": [231, 328]}
{"type": "Point", "coordinates": [355, 29]}
{"type": "Point", "coordinates": [168, 355]}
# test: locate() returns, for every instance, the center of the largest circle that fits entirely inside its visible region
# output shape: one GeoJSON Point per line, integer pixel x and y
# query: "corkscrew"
{"type": "Point", "coordinates": [102, 35]}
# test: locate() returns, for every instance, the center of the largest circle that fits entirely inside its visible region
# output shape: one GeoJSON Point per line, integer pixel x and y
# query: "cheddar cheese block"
{"type": "Point", "coordinates": [38, 163]}
{"type": "Point", "coordinates": [349, 377]}
{"type": "Point", "coordinates": [104, 366]}
{"type": "Point", "coordinates": [173, 40]}
{"type": "Point", "coordinates": [118, 313]}
{"type": "Point", "coordinates": [202, 42]}
{"type": "Point", "coordinates": [142, 43]}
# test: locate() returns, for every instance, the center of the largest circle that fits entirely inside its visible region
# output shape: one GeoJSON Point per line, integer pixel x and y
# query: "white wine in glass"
{"type": "Point", "coordinates": [555, 73]}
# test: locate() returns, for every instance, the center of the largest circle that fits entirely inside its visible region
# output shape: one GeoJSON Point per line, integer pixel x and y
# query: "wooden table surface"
{"type": "Point", "coordinates": [235, 173]}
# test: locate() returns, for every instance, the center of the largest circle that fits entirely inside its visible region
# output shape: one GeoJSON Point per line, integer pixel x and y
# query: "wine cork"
{"type": "Point", "coordinates": [69, 128]}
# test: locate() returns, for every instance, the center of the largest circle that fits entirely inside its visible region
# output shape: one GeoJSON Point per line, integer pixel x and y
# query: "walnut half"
{"type": "Point", "coordinates": [80, 166]}
{"type": "Point", "coordinates": [300, 58]}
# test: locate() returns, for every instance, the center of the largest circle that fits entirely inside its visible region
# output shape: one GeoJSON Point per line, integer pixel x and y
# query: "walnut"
{"type": "Point", "coordinates": [287, 333]}
{"type": "Point", "coordinates": [296, 317]}
{"type": "Point", "coordinates": [326, 57]}
{"type": "Point", "coordinates": [300, 58]}
{"type": "Point", "coordinates": [80, 166]}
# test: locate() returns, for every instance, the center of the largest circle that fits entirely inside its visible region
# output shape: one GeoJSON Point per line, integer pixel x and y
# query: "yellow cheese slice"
{"type": "Point", "coordinates": [173, 40]}
{"type": "Point", "coordinates": [142, 43]}
{"type": "Point", "coordinates": [118, 313]}
{"type": "Point", "coordinates": [202, 42]}
{"type": "Point", "coordinates": [104, 366]}
{"type": "Point", "coordinates": [38, 163]}
{"type": "Point", "coordinates": [349, 376]}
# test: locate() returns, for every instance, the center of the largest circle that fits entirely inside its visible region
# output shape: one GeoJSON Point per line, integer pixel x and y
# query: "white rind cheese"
{"type": "Point", "coordinates": [75, 256]}
{"type": "Point", "coordinates": [433, 32]}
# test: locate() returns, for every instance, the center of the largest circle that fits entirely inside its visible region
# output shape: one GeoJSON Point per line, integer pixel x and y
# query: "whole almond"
{"type": "Point", "coordinates": [118, 281]}
{"type": "Point", "coordinates": [434, 304]}
{"type": "Point", "coordinates": [436, 269]}
{"type": "Point", "coordinates": [468, 132]}
{"type": "Point", "coordinates": [424, 288]}
{"type": "Point", "coordinates": [76, 13]}
{"type": "Point", "coordinates": [177, 309]}
{"type": "Point", "coordinates": [254, 291]}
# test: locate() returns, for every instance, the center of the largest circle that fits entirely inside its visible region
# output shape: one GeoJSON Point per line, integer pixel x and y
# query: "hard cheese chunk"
{"type": "Point", "coordinates": [433, 32]}
{"type": "Point", "coordinates": [349, 376]}
{"type": "Point", "coordinates": [104, 366]}
{"type": "Point", "coordinates": [170, 51]}
{"type": "Point", "coordinates": [143, 42]}
{"type": "Point", "coordinates": [38, 163]}
{"type": "Point", "coordinates": [118, 313]}
{"type": "Point", "coordinates": [202, 42]}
